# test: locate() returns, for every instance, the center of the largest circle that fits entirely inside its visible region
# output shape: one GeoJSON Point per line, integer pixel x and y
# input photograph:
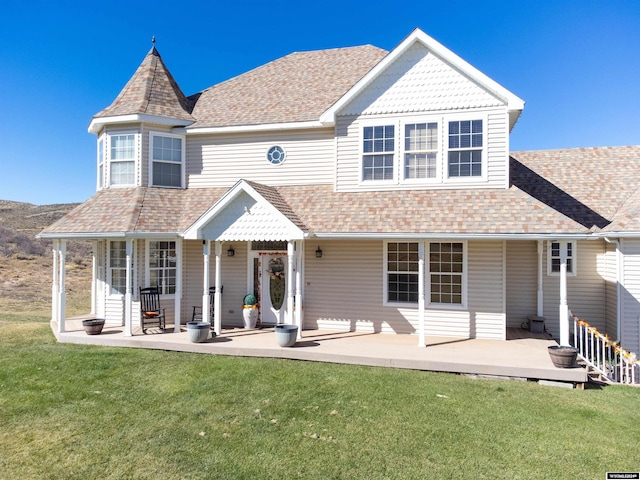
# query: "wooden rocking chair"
{"type": "Point", "coordinates": [197, 310]}
{"type": "Point", "coordinates": [151, 314]}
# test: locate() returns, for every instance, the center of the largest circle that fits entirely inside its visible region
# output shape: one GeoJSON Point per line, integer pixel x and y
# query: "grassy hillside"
{"type": "Point", "coordinates": [26, 262]}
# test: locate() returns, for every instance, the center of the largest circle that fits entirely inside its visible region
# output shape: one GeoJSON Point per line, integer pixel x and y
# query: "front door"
{"type": "Point", "coordinates": [273, 288]}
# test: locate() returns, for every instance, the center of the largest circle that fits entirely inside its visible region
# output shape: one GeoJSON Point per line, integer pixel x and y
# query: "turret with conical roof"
{"type": "Point", "coordinates": [151, 92]}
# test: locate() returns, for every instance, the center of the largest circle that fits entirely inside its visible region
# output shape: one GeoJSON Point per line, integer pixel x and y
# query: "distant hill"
{"type": "Point", "coordinates": [21, 222]}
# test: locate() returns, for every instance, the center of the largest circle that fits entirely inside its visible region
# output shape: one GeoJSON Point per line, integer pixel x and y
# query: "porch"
{"type": "Point", "coordinates": [524, 355]}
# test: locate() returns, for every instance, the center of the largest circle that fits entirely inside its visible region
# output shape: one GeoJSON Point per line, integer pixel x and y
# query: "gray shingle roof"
{"type": "Point", "coordinates": [151, 90]}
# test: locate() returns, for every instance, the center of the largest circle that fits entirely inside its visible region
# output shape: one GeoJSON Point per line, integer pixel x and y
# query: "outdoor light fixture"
{"type": "Point", "coordinates": [231, 252]}
{"type": "Point", "coordinates": [319, 252]}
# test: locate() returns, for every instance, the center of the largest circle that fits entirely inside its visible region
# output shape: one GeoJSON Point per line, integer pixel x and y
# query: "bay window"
{"type": "Point", "coordinates": [100, 163]}
{"type": "Point", "coordinates": [122, 158]}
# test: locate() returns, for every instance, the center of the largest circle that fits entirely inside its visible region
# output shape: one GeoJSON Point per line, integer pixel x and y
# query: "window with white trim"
{"type": "Point", "coordinates": [378, 149]}
{"type": "Point", "coordinates": [420, 150]}
{"type": "Point", "coordinates": [402, 272]}
{"type": "Point", "coordinates": [162, 266]}
{"type": "Point", "coordinates": [122, 159]}
{"type": "Point", "coordinates": [100, 163]}
{"type": "Point", "coordinates": [446, 272]}
{"type": "Point", "coordinates": [167, 159]}
{"type": "Point", "coordinates": [118, 266]}
{"type": "Point", "coordinates": [465, 148]}
{"type": "Point", "coordinates": [555, 259]}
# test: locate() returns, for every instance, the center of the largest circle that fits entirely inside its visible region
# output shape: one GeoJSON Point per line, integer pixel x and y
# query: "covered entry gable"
{"type": "Point", "coordinates": [248, 211]}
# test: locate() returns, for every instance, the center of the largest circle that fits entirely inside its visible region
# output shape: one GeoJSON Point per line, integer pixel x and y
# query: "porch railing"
{"type": "Point", "coordinates": [604, 355]}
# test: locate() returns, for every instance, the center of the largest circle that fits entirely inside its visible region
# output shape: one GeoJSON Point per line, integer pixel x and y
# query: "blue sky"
{"type": "Point", "coordinates": [575, 63]}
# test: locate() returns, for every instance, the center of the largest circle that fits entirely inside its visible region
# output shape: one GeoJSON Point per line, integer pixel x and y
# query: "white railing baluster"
{"type": "Point", "coordinates": [604, 355]}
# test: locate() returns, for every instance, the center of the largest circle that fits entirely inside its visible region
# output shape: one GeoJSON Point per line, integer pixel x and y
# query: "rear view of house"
{"type": "Point", "coordinates": [353, 189]}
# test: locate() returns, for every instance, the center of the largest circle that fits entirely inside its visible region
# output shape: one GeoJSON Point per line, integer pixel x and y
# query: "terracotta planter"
{"type": "Point", "coordinates": [563, 357]}
{"type": "Point", "coordinates": [93, 326]}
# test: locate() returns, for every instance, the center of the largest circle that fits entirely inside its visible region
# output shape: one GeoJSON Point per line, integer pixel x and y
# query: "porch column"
{"type": "Point", "coordinates": [421, 334]}
{"type": "Point", "coordinates": [54, 283]}
{"type": "Point", "coordinates": [94, 275]}
{"type": "Point", "coordinates": [206, 249]}
{"type": "Point", "coordinates": [128, 329]}
{"type": "Point", "coordinates": [62, 296]}
{"type": "Point", "coordinates": [298, 297]}
{"type": "Point", "coordinates": [564, 308]}
{"type": "Point", "coordinates": [290, 254]}
{"type": "Point", "coordinates": [540, 312]}
{"type": "Point", "coordinates": [178, 294]}
{"type": "Point", "coordinates": [217, 296]}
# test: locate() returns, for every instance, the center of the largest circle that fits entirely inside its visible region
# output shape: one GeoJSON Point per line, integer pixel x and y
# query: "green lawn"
{"type": "Point", "coordinates": [71, 411]}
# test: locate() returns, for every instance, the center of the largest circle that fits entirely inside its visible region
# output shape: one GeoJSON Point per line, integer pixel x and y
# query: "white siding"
{"type": "Point", "coordinates": [233, 273]}
{"type": "Point", "coordinates": [221, 160]}
{"type": "Point", "coordinates": [522, 281]}
{"type": "Point", "coordinates": [349, 148]}
{"type": "Point", "coordinates": [630, 338]}
{"type": "Point", "coordinates": [585, 291]}
{"type": "Point", "coordinates": [611, 295]}
{"type": "Point", "coordinates": [486, 287]}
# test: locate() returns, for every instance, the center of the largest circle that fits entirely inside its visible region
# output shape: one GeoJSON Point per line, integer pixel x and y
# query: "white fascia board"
{"type": "Point", "coordinates": [98, 122]}
{"type": "Point", "coordinates": [619, 235]}
{"type": "Point", "coordinates": [241, 186]}
{"type": "Point", "coordinates": [514, 103]}
{"type": "Point", "coordinates": [457, 236]}
{"type": "Point", "coordinates": [267, 127]}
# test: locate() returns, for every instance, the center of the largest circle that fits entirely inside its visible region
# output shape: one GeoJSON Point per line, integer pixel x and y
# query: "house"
{"type": "Point", "coordinates": [353, 189]}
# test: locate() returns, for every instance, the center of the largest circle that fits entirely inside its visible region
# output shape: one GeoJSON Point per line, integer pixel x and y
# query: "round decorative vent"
{"type": "Point", "coordinates": [276, 155]}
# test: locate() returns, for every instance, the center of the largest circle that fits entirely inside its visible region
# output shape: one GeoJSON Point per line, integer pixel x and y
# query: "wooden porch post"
{"type": "Point", "coordinates": [290, 283]}
{"type": "Point", "coordinates": [218, 295]}
{"type": "Point", "coordinates": [298, 297]}
{"type": "Point", "coordinates": [178, 294]}
{"type": "Point", "coordinates": [540, 311]}
{"type": "Point", "coordinates": [128, 328]}
{"type": "Point", "coordinates": [421, 334]}
{"type": "Point", "coordinates": [54, 284]}
{"type": "Point", "coordinates": [206, 249]}
{"type": "Point", "coordinates": [564, 308]}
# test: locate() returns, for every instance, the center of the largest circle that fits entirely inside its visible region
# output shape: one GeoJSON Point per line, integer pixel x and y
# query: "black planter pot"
{"type": "Point", "coordinates": [93, 327]}
{"type": "Point", "coordinates": [563, 357]}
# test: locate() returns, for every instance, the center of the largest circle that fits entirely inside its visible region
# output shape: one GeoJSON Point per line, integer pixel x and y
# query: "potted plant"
{"type": "Point", "coordinates": [250, 311]}
{"type": "Point", "coordinates": [563, 356]}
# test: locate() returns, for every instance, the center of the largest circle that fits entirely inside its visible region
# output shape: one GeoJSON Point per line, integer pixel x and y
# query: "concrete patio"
{"type": "Point", "coordinates": [523, 355]}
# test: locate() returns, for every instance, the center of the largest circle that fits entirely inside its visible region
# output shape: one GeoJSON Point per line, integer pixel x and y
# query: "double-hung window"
{"type": "Point", "coordinates": [402, 272]}
{"type": "Point", "coordinates": [555, 258]}
{"type": "Point", "coordinates": [118, 266]}
{"type": "Point", "coordinates": [122, 159]}
{"type": "Point", "coordinates": [420, 150]}
{"type": "Point", "coordinates": [378, 151]}
{"type": "Point", "coordinates": [166, 160]}
{"type": "Point", "coordinates": [446, 272]}
{"type": "Point", "coordinates": [162, 266]}
{"type": "Point", "coordinates": [465, 148]}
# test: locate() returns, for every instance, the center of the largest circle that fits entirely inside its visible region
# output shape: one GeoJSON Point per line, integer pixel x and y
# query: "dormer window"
{"type": "Point", "coordinates": [167, 160]}
{"type": "Point", "coordinates": [122, 159]}
{"type": "Point", "coordinates": [377, 152]}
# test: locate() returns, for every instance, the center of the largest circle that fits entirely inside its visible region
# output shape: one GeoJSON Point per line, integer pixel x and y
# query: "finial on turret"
{"type": "Point", "coordinates": [153, 40]}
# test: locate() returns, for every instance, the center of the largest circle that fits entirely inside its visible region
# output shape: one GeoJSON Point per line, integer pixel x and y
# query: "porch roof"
{"type": "Point", "coordinates": [561, 192]}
